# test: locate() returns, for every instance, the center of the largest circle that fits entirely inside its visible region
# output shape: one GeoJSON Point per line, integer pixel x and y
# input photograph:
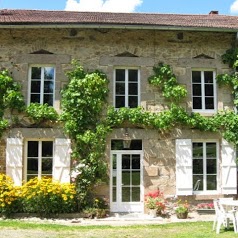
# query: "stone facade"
{"type": "Point", "coordinates": [106, 48]}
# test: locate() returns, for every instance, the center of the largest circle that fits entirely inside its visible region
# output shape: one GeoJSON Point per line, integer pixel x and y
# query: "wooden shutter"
{"type": "Point", "coordinates": [228, 168]}
{"type": "Point", "coordinates": [14, 165]}
{"type": "Point", "coordinates": [61, 170]}
{"type": "Point", "coordinates": [184, 185]}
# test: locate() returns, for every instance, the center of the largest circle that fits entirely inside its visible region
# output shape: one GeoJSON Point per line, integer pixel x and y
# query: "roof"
{"type": "Point", "coordinates": [31, 18]}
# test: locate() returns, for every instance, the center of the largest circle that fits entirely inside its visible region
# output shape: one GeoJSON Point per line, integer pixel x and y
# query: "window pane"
{"type": "Point", "coordinates": [32, 166]}
{"type": "Point", "coordinates": [209, 103]}
{"type": "Point", "coordinates": [135, 178]}
{"type": "Point", "coordinates": [196, 77]}
{"type": "Point", "coordinates": [120, 75]}
{"type": "Point", "coordinates": [135, 194]}
{"type": "Point", "coordinates": [118, 145]}
{"type": "Point", "coordinates": [120, 101]}
{"type": "Point", "coordinates": [48, 87]}
{"type": "Point", "coordinates": [198, 182]}
{"type": "Point", "coordinates": [35, 98]}
{"type": "Point", "coordinates": [48, 98]}
{"type": "Point", "coordinates": [197, 103]}
{"type": "Point", "coordinates": [49, 73]}
{"type": "Point", "coordinates": [209, 90]}
{"type": "Point", "coordinates": [197, 166]}
{"type": "Point", "coordinates": [211, 166]}
{"type": "Point", "coordinates": [133, 89]}
{"type": "Point", "coordinates": [126, 178]}
{"type": "Point", "coordinates": [133, 101]}
{"type": "Point", "coordinates": [114, 162]}
{"type": "Point", "coordinates": [114, 194]}
{"type": "Point", "coordinates": [47, 166]}
{"type": "Point", "coordinates": [126, 162]}
{"type": "Point", "coordinates": [32, 149]}
{"type": "Point", "coordinates": [126, 194]}
{"type": "Point", "coordinates": [198, 150]}
{"type": "Point", "coordinates": [208, 77]}
{"type": "Point", "coordinates": [211, 150]}
{"type": "Point", "coordinates": [35, 86]}
{"type": "Point", "coordinates": [211, 182]}
{"type": "Point", "coordinates": [120, 88]}
{"type": "Point", "coordinates": [47, 148]}
{"type": "Point", "coordinates": [135, 161]}
{"type": "Point", "coordinates": [36, 73]}
{"type": "Point", "coordinates": [197, 90]}
{"type": "Point", "coordinates": [133, 75]}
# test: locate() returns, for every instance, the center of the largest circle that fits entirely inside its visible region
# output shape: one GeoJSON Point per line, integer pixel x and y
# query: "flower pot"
{"type": "Point", "coordinates": [205, 211]}
{"type": "Point", "coordinates": [153, 213]}
{"type": "Point", "coordinates": [183, 215]}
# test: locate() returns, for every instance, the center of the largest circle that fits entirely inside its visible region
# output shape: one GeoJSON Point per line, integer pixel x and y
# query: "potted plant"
{"type": "Point", "coordinates": [205, 208]}
{"type": "Point", "coordinates": [155, 202]}
{"type": "Point", "coordinates": [182, 209]}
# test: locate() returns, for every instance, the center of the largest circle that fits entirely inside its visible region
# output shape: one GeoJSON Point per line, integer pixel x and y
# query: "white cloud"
{"type": "Point", "coordinates": [234, 7]}
{"type": "Point", "coordinates": [103, 5]}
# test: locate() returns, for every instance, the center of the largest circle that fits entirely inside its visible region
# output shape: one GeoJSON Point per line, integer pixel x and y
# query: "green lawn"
{"type": "Point", "coordinates": [172, 230]}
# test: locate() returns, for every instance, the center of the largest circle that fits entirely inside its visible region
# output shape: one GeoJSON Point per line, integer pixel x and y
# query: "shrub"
{"type": "Point", "coordinates": [9, 196]}
{"type": "Point", "coordinates": [47, 197]}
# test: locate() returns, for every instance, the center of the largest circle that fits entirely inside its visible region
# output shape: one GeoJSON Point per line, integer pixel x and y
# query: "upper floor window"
{"type": "Point", "coordinates": [39, 161]}
{"type": "Point", "coordinates": [203, 90]}
{"type": "Point", "coordinates": [42, 84]}
{"type": "Point", "coordinates": [127, 88]}
{"type": "Point", "coordinates": [205, 159]}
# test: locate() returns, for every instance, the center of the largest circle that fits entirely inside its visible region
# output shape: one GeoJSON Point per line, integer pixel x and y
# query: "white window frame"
{"type": "Point", "coordinates": [39, 157]}
{"type": "Point", "coordinates": [42, 82]}
{"type": "Point", "coordinates": [204, 191]}
{"type": "Point", "coordinates": [126, 85]}
{"type": "Point", "coordinates": [203, 110]}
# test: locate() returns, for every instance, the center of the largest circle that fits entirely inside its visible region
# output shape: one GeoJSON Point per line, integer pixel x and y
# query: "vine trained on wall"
{"type": "Point", "coordinates": [87, 120]}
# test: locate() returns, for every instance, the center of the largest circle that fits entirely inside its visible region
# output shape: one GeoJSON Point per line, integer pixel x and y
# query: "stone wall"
{"type": "Point", "coordinates": [105, 48]}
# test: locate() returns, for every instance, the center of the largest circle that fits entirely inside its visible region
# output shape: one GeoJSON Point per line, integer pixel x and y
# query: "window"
{"type": "Point", "coordinates": [42, 84]}
{"type": "Point", "coordinates": [204, 166]}
{"type": "Point", "coordinates": [39, 161]}
{"type": "Point", "coordinates": [203, 91]}
{"type": "Point", "coordinates": [127, 88]}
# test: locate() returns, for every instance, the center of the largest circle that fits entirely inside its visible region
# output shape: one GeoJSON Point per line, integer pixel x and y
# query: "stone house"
{"type": "Point", "coordinates": [125, 46]}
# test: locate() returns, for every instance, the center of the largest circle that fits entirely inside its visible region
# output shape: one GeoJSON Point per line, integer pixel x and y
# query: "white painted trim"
{"type": "Point", "coordinates": [210, 192]}
{"type": "Point", "coordinates": [138, 206]}
{"type": "Point", "coordinates": [203, 110]}
{"type": "Point", "coordinates": [126, 85]}
{"type": "Point", "coordinates": [41, 81]}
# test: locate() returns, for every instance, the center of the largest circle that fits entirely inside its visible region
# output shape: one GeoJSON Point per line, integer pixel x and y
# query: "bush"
{"type": "Point", "coordinates": [46, 197]}
{"type": "Point", "coordinates": [9, 196]}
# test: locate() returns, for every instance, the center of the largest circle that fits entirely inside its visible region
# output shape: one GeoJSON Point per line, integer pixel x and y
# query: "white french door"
{"type": "Point", "coordinates": [126, 181]}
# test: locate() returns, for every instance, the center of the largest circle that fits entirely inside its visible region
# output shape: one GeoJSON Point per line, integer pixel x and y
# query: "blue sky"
{"type": "Point", "coordinates": [228, 7]}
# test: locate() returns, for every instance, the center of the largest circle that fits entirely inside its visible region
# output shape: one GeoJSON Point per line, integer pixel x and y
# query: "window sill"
{"type": "Point", "coordinates": [206, 114]}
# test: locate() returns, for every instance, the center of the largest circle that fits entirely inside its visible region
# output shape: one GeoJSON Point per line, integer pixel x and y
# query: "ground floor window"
{"type": "Point", "coordinates": [205, 160]}
{"type": "Point", "coordinates": [39, 159]}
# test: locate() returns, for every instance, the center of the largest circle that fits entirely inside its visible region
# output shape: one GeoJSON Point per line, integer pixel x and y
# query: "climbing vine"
{"type": "Point", "coordinates": [165, 79]}
{"type": "Point", "coordinates": [83, 101]}
{"type": "Point", "coordinates": [87, 120]}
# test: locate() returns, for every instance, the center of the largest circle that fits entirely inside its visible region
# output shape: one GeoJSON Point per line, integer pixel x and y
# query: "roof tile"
{"type": "Point", "coordinates": [34, 17]}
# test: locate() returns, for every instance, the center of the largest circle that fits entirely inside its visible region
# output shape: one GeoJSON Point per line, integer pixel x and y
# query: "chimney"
{"type": "Point", "coordinates": [213, 13]}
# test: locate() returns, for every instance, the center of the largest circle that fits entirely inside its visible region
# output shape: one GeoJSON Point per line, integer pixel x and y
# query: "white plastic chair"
{"type": "Point", "coordinates": [223, 217]}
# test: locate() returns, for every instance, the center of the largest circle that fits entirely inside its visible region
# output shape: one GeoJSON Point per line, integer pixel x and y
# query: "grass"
{"type": "Point", "coordinates": [172, 230]}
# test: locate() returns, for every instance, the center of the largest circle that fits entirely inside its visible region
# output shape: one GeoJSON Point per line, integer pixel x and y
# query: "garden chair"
{"type": "Point", "coordinates": [223, 217]}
